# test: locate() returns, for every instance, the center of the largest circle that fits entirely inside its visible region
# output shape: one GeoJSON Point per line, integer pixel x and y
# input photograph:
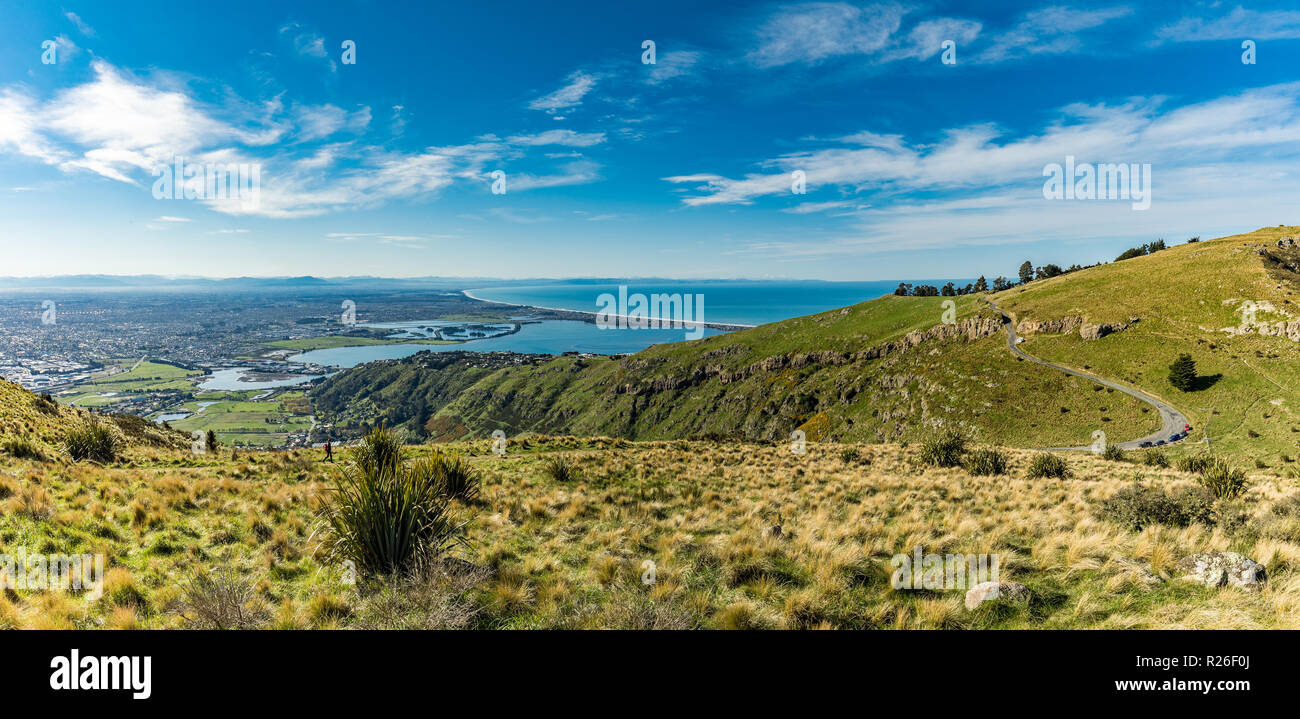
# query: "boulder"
{"type": "Point", "coordinates": [773, 532]}
{"type": "Point", "coordinates": [993, 591]}
{"type": "Point", "coordinates": [1215, 569]}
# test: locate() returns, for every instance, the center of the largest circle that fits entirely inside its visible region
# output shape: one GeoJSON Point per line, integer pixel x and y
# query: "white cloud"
{"type": "Point", "coordinates": [672, 65]}
{"type": "Point", "coordinates": [567, 138]}
{"type": "Point", "coordinates": [121, 127]}
{"type": "Point", "coordinates": [578, 85]}
{"type": "Point", "coordinates": [1051, 30]}
{"type": "Point", "coordinates": [169, 218]}
{"type": "Point", "coordinates": [1222, 162]}
{"type": "Point", "coordinates": [1240, 24]}
{"type": "Point", "coordinates": [82, 27]}
{"type": "Point", "coordinates": [814, 32]}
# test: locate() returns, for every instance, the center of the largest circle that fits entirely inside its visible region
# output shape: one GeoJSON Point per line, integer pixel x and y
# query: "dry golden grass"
{"type": "Point", "coordinates": [576, 553]}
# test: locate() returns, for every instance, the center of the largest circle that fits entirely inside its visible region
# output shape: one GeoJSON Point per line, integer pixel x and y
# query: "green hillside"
{"type": "Point", "coordinates": [888, 369]}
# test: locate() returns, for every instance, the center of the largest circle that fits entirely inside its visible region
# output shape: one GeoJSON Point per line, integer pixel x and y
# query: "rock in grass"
{"type": "Point", "coordinates": [773, 532]}
{"type": "Point", "coordinates": [1141, 571]}
{"type": "Point", "coordinates": [1216, 569]}
{"type": "Point", "coordinates": [992, 591]}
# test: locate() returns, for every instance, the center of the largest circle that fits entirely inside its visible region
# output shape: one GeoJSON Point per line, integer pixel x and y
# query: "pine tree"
{"type": "Point", "coordinates": [1182, 373]}
{"type": "Point", "coordinates": [1026, 272]}
{"type": "Point", "coordinates": [981, 285]}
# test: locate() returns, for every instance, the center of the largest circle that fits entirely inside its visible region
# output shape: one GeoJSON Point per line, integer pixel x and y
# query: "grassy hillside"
{"type": "Point", "coordinates": [1186, 297]}
{"type": "Point", "coordinates": [549, 553]}
{"type": "Point", "coordinates": [888, 370]}
{"type": "Point", "coordinates": [882, 370]}
{"type": "Point", "coordinates": [45, 424]}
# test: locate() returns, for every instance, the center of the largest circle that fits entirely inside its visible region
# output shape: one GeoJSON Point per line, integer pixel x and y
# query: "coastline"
{"type": "Point", "coordinates": [685, 323]}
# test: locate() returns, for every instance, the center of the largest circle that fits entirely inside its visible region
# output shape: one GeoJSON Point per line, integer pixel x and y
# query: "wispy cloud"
{"type": "Point", "coordinates": [577, 85]}
{"type": "Point", "coordinates": [567, 138]}
{"type": "Point", "coordinates": [1239, 24]}
{"type": "Point", "coordinates": [979, 186]}
{"type": "Point", "coordinates": [816, 31]}
{"type": "Point", "coordinates": [1051, 30]}
{"type": "Point", "coordinates": [122, 127]}
{"type": "Point", "coordinates": [82, 27]}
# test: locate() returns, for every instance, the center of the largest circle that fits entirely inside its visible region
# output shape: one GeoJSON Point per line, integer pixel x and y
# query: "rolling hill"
{"type": "Point", "coordinates": [889, 369]}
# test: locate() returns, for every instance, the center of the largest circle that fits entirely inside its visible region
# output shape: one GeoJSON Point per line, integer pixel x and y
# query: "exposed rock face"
{"type": "Point", "coordinates": [1064, 324]}
{"type": "Point", "coordinates": [1216, 569]}
{"type": "Point", "coordinates": [995, 591]}
{"type": "Point", "coordinates": [1289, 330]}
{"type": "Point", "coordinates": [1097, 331]}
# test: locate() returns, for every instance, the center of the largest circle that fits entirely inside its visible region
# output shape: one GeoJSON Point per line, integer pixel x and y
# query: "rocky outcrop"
{"type": "Point", "coordinates": [1065, 325]}
{"type": "Point", "coordinates": [1216, 569]}
{"type": "Point", "coordinates": [1099, 330]}
{"type": "Point", "coordinates": [995, 591]}
{"type": "Point", "coordinates": [1057, 326]}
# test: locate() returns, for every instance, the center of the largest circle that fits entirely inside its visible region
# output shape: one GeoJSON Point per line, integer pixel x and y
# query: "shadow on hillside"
{"type": "Point", "coordinates": [1204, 382]}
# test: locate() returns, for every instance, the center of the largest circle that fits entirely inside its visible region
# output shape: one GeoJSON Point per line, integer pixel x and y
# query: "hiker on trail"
{"type": "Point", "coordinates": [329, 453]}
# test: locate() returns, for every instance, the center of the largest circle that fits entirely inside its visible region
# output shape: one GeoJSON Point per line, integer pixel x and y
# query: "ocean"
{"type": "Point", "coordinates": [746, 302]}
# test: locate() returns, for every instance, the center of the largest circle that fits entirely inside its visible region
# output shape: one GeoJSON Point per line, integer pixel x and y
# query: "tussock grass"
{"type": "Point", "coordinates": [94, 441]}
{"type": "Point", "coordinates": [945, 450]}
{"type": "Point", "coordinates": [987, 461]}
{"type": "Point", "coordinates": [1046, 464]}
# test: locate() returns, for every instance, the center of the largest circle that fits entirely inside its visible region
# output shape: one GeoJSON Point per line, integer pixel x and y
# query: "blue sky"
{"type": "Point", "coordinates": [618, 168]}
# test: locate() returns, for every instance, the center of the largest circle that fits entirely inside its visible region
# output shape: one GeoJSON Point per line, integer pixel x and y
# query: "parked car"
{"type": "Point", "coordinates": [1145, 444]}
{"type": "Point", "coordinates": [1160, 442]}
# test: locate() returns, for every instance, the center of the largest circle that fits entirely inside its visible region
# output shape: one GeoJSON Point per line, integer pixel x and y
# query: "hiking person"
{"type": "Point", "coordinates": [329, 451]}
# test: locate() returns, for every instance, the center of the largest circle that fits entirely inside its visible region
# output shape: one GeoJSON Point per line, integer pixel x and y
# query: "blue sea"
{"type": "Point", "coordinates": [746, 302]}
{"type": "Point", "coordinates": [741, 302]}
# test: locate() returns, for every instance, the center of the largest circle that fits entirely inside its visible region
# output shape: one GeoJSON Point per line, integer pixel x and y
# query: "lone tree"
{"type": "Point", "coordinates": [1182, 373]}
{"type": "Point", "coordinates": [211, 441]}
{"type": "Point", "coordinates": [1026, 273]}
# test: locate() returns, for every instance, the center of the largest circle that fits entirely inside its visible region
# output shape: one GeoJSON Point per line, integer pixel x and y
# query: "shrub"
{"type": "Point", "coordinates": [1138, 506]}
{"type": "Point", "coordinates": [945, 450]}
{"type": "Point", "coordinates": [384, 515]}
{"type": "Point", "coordinates": [850, 455]}
{"type": "Point", "coordinates": [1046, 464]}
{"type": "Point", "coordinates": [1155, 458]}
{"type": "Point", "coordinates": [1113, 453]}
{"type": "Point", "coordinates": [560, 469]}
{"type": "Point", "coordinates": [458, 480]}
{"type": "Point", "coordinates": [987, 461]}
{"type": "Point", "coordinates": [221, 600]}
{"type": "Point", "coordinates": [1196, 463]}
{"type": "Point", "coordinates": [210, 442]}
{"type": "Point", "coordinates": [1222, 479]}
{"type": "Point", "coordinates": [93, 441]}
{"type": "Point", "coordinates": [22, 448]}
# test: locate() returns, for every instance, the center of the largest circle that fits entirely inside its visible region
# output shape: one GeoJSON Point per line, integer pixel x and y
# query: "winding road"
{"type": "Point", "coordinates": [1171, 420]}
